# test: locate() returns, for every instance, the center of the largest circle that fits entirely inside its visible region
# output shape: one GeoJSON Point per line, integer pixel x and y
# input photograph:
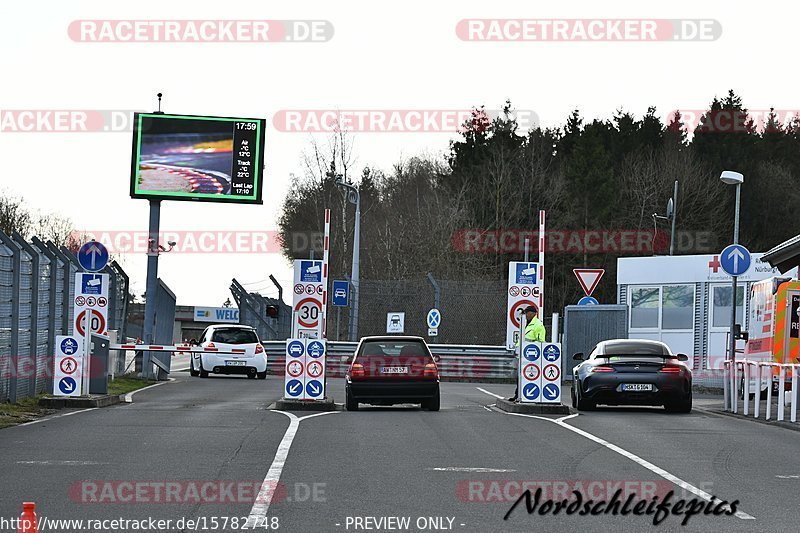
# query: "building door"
{"type": "Point", "coordinates": [719, 322]}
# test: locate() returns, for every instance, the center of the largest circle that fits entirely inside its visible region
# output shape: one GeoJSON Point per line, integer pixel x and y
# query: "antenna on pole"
{"type": "Point", "coordinates": [159, 112]}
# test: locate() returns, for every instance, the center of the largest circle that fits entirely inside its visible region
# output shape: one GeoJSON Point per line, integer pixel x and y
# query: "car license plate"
{"type": "Point", "coordinates": [235, 363]}
{"type": "Point", "coordinates": [394, 370]}
{"type": "Point", "coordinates": [636, 387]}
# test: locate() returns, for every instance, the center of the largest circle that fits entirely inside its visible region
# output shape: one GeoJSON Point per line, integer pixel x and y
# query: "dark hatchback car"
{"type": "Point", "coordinates": [632, 372]}
{"type": "Point", "coordinates": [392, 370]}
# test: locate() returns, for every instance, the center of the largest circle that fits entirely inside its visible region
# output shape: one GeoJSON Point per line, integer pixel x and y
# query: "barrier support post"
{"type": "Point", "coordinates": [757, 407]}
{"type": "Point", "coordinates": [794, 393]}
{"type": "Point", "coordinates": [746, 397]}
{"type": "Point", "coordinates": [769, 392]}
{"type": "Point", "coordinates": [781, 393]}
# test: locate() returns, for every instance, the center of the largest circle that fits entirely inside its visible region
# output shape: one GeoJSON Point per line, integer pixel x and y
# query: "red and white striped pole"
{"type": "Point", "coordinates": [541, 262]}
{"type": "Point", "coordinates": [325, 251]}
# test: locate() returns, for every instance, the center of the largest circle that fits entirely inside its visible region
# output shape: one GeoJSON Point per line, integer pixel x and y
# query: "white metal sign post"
{"type": "Point", "coordinates": [551, 372]}
{"type": "Point", "coordinates": [524, 288]}
{"type": "Point", "coordinates": [67, 372]}
{"type": "Point", "coordinates": [307, 314]}
{"type": "Point", "coordinates": [325, 251]}
{"type": "Point", "coordinates": [90, 309]}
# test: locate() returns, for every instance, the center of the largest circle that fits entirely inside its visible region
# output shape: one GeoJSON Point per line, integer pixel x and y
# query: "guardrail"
{"type": "Point", "coordinates": [733, 376]}
{"type": "Point", "coordinates": [457, 362]}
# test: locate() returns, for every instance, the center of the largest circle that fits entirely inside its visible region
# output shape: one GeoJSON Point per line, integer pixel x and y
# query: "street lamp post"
{"type": "Point", "coordinates": [353, 197]}
{"type": "Point", "coordinates": [733, 178]}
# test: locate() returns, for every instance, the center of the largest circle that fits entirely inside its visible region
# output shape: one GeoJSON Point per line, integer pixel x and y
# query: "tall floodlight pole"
{"type": "Point", "coordinates": [353, 197]}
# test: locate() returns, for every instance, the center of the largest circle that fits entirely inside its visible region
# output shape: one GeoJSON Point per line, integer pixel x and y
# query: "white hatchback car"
{"type": "Point", "coordinates": [249, 357]}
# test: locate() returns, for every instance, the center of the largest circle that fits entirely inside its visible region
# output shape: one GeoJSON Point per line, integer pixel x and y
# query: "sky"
{"type": "Point", "coordinates": [377, 56]}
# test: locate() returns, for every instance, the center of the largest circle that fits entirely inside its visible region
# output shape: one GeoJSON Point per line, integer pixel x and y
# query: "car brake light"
{"type": "Point", "coordinates": [430, 371]}
{"type": "Point", "coordinates": [602, 369]}
{"type": "Point", "coordinates": [210, 345]}
{"type": "Point", "coordinates": [671, 369]}
{"type": "Point", "coordinates": [259, 349]}
{"type": "Point", "coordinates": [357, 370]}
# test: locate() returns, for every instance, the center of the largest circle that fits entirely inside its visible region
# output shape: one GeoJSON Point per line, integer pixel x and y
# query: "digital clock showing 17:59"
{"type": "Point", "coordinates": [199, 158]}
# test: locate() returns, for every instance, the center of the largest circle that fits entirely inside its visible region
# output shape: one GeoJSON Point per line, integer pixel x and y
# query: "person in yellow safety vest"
{"type": "Point", "coordinates": [534, 332]}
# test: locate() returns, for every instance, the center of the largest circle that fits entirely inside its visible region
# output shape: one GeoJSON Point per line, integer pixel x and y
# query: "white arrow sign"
{"type": "Point", "coordinates": [294, 389]}
{"type": "Point", "coordinates": [314, 389]}
{"type": "Point", "coordinates": [735, 254]}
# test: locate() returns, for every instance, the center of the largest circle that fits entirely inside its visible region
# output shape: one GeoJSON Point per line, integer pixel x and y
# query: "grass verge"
{"type": "Point", "coordinates": [25, 410]}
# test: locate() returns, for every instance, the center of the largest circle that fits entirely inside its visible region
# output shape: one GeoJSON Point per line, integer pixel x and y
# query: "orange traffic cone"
{"type": "Point", "coordinates": [27, 521]}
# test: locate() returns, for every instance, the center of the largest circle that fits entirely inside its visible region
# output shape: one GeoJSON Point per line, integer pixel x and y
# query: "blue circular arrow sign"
{"type": "Point", "coordinates": [735, 260]}
{"type": "Point", "coordinates": [294, 387]}
{"type": "Point", "coordinates": [551, 391]}
{"type": "Point", "coordinates": [67, 385]}
{"type": "Point", "coordinates": [530, 391]}
{"type": "Point", "coordinates": [588, 300]}
{"type": "Point", "coordinates": [314, 388]}
{"type": "Point", "coordinates": [93, 256]}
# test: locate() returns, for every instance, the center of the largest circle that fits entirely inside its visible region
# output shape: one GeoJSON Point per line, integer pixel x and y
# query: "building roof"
{"type": "Point", "coordinates": [785, 256]}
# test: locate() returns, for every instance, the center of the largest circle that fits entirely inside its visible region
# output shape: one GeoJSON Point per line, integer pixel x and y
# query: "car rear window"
{"type": "Point", "coordinates": [234, 336]}
{"type": "Point", "coordinates": [634, 348]}
{"type": "Point", "coordinates": [393, 349]}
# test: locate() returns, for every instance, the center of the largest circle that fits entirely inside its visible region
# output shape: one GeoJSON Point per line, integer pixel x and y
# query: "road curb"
{"type": "Point", "coordinates": [792, 426]}
{"type": "Point", "coordinates": [532, 408]}
{"type": "Point", "coordinates": [300, 405]}
{"type": "Point", "coordinates": [99, 400]}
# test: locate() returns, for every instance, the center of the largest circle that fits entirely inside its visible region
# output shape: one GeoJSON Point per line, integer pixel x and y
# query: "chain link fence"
{"type": "Point", "coordinates": [36, 295]}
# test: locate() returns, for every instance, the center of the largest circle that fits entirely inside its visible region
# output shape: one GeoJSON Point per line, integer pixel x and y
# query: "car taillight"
{"type": "Point", "coordinates": [602, 369]}
{"type": "Point", "coordinates": [259, 349]}
{"type": "Point", "coordinates": [357, 370]}
{"type": "Point", "coordinates": [671, 369]}
{"type": "Point", "coordinates": [430, 371]}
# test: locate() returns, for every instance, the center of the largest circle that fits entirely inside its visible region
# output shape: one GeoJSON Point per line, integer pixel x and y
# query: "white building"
{"type": "Point", "coordinates": [685, 301]}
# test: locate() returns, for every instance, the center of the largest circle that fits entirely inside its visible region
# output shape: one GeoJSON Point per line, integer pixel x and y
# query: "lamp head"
{"type": "Point", "coordinates": [729, 177]}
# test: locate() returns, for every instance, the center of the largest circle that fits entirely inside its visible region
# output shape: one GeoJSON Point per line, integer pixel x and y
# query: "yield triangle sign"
{"type": "Point", "coordinates": [589, 278]}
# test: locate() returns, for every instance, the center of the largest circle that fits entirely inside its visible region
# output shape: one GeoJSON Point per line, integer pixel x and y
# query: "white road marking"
{"type": "Point", "coordinates": [129, 397]}
{"type": "Point", "coordinates": [61, 463]}
{"type": "Point", "coordinates": [633, 457]}
{"type": "Point", "coordinates": [787, 477]}
{"type": "Point", "coordinates": [489, 393]}
{"type": "Point", "coordinates": [468, 469]}
{"type": "Point", "coordinates": [47, 418]}
{"type": "Point", "coordinates": [261, 506]}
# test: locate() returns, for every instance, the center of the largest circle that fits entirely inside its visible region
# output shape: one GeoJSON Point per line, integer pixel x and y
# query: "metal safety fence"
{"type": "Point", "coordinates": [746, 377]}
{"type": "Point", "coordinates": [37, 291]}
{"type": "Point", "coordinates": [456, 362]}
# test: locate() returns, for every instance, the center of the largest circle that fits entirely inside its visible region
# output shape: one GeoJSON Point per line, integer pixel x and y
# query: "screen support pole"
{"type": "Point", "coordinates": [152, 282]}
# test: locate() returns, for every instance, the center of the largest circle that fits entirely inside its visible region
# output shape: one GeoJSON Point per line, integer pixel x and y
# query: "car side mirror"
{"type": "Point", "coordinates": [578, 356]}
{"type": "Point", "coordinates": [682, 357]}
{"type": "Point", "coordinates": [436, 358]}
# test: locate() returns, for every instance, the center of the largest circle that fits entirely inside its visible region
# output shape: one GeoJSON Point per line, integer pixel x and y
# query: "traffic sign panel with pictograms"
{"type": "Point", "coordinates": [531, 351]}
{"type": "Point", "coordinates": [67, 366]}
{"type": "Point", "coordinates": [524, 289]}
{"type": "Point", "coordinates": [531, 372]}
{"type": "Point", "coordinates": [294, 368]}
{"type": "Point", "coordinates": [314, 369]}
{"type": "Point", "coordinates": [305, 362]}
{"type": "Point", "coordinates": [551, 372]}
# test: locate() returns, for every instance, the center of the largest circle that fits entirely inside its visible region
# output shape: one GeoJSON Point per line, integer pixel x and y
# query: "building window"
{"type": "Point", "coordinates": [677, 303]}
{"type": "Point", "coordinates": [644, 307]}
{"type": "Point", "coordinates": [722, 306]}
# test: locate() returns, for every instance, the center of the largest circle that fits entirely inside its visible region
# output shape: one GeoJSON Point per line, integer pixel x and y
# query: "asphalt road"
{"type": "Point", "coordinates": [459, 469]}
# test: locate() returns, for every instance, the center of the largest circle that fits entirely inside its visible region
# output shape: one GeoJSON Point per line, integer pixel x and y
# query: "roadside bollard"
{"type": "Point", "coordinates": [27, 520]}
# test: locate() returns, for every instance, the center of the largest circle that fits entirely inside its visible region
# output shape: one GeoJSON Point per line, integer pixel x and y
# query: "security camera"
{"type": "Point", "coordinates": [172, 243]}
